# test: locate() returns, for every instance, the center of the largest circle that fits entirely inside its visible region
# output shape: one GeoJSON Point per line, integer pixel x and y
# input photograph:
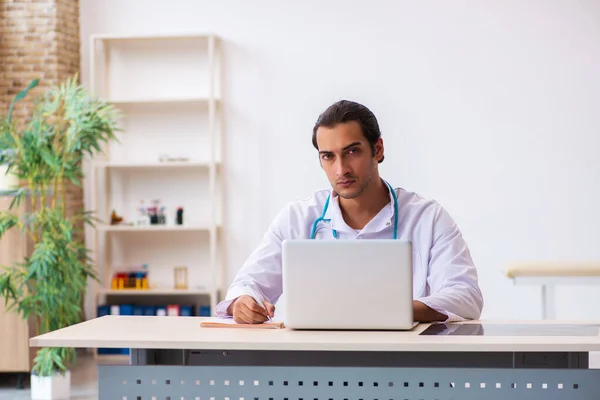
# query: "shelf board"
{"type": "Point", "coordinates": [155, 164]}
{"type": "Point", "coordinates": [157, 100]}
{"type": "Point", "coordinates": [174, 35]}
{"type": "Point", "coordinates": [154, 292]}
{"type": "Point", "coordinates": [153, 228]}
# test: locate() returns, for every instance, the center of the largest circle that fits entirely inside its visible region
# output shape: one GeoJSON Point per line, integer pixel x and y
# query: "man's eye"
{"type": "Point", "coordinates": [353, 150]}
{"type": "Point", "coordinates": [326, 156]}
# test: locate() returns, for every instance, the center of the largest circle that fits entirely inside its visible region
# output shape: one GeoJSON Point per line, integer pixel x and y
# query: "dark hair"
{"type": "Point", "coordinates": [346, 111]}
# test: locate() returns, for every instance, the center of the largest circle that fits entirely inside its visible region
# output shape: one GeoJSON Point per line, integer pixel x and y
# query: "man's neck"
{"type": "Point", "coordinates": [359, 211]}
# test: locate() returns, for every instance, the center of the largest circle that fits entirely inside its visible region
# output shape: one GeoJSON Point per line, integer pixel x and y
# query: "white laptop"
{"type": "Point", "coordinates": [348, 284]}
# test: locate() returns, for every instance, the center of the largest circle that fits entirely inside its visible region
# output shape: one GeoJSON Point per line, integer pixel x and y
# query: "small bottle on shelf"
{"type": "Point", "coordinates": [179, 218]}
{"type": "Point", "coordinates": [142, 219]}
{"type": "Point", "coordinates": [153, 212]}
{"type": "Point", "coordinates": [162, 216]}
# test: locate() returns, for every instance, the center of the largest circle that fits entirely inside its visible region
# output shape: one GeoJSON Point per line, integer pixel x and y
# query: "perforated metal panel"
{"type": "Point", "coordinates": [340, 383]}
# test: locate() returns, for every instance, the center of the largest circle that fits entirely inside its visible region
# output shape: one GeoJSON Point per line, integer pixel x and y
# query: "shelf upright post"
{"type": "Point", "coordinates": [212, 171]}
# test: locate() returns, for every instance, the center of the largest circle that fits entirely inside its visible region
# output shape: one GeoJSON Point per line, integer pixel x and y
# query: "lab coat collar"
{"type": "Point", "coordinates": [381, 221]}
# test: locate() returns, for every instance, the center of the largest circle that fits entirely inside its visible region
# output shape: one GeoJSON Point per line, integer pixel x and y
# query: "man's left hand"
{"type": "Point", "coordinates": [423, 313]}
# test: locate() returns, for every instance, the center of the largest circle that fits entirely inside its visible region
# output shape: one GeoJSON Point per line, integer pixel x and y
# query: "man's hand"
{"type": "Point", "coordinates": [423, 313]}
{"type": "Point", "coordinates": [247, 311]}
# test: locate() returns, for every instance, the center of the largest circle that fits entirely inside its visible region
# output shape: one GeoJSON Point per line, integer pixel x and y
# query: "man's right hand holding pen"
{"type": "Point", "coordinates": [246, 310]}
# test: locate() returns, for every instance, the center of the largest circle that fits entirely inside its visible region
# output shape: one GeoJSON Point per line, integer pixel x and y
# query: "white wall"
{"type": "Point", "coordinates": [490, 107]}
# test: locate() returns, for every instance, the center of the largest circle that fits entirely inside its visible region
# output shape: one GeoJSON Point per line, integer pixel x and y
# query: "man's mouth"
{"type": "Point", "coordinates": [346, 182]}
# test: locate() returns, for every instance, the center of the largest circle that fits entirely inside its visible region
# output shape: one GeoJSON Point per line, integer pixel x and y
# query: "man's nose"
{"type": "Point", "coordinates": [341, 167]}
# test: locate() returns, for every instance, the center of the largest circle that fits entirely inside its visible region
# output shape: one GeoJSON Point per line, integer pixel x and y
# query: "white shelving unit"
{"type": "Point", "coordinates": [167, 89]}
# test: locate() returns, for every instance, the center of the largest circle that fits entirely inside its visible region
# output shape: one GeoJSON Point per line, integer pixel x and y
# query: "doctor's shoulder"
{"type": "Point", "coordinates": [295, 219]}
{"type": "Point", "coordinates": [423, 214]}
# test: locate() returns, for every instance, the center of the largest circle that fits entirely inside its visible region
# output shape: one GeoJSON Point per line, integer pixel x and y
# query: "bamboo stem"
{"type": "Point", "coordinates": [42, 197]}
{"type": "Point", "coordinates": [64, 199]}
{"type": "Point", "coordinates": [54, 194]}
{"type": "Point", "coordinates": [33, 202]}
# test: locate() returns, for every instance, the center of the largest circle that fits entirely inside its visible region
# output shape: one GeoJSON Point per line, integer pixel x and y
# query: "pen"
{"type": "Point", "coordinates": [257, 299]}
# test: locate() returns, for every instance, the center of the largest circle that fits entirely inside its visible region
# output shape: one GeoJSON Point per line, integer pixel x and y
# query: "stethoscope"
{"type": "Point", "coordinates": [335, 234]}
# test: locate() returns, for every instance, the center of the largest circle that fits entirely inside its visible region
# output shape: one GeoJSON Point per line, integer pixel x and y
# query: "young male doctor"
{"type": "Point", "coordinates": [361, 205]}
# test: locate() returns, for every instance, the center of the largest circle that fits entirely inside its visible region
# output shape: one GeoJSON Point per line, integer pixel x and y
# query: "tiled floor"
{"type": "Point", "coordinates": [84, 384]}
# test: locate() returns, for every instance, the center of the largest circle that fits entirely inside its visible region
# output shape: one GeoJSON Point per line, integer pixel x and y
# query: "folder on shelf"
{"type": "Point", "coordinates": [230, 323]}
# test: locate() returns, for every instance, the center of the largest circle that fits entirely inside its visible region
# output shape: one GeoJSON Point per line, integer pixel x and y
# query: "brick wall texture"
{"type": "Point", "coordinates": [38, 39]}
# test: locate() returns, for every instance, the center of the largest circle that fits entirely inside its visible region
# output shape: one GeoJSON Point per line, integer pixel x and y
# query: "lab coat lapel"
{"type": "Point", "coordinates": [334, 215]}
{"type": "Point", "coordinates": [383, 220]}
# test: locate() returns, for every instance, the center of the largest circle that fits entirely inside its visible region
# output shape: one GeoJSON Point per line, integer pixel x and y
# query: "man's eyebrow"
{"type": "Point", "coordinates": [352, 145]}
{"type": "Point", "coordinates": [345, 148]}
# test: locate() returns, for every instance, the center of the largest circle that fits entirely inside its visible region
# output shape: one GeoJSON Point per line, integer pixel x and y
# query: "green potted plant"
{"type": "Point", "coordinates": [45, 153]}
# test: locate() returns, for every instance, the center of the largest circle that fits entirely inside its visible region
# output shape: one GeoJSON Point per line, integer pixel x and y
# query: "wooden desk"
{"type": "Point", "coordinates": [173, 357]}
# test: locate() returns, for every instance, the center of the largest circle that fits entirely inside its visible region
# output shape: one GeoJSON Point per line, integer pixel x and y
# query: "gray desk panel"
{"type": "Point", "coordinates": [341, 383]}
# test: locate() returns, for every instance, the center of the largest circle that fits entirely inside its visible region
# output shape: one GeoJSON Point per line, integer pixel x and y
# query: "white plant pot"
{"type": "Point", "coordinates": [7, 181]}
{"type": "Point", "coordinates": [55, 387]}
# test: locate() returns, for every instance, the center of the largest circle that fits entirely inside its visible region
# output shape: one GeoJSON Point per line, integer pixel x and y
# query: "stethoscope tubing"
{"type": "Point", "coordinates": [334, 232]}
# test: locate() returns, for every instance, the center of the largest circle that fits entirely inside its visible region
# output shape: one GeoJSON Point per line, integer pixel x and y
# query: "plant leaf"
{"type": "Point", "coordinates": [20, 96]}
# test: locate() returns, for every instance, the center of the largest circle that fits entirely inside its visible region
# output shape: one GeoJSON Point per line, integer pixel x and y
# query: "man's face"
{"type": "Point", "coordinates": [347, 159]}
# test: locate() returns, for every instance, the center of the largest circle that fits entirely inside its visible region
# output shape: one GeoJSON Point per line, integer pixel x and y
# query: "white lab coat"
{"type": "Point", "coordinates": [444, 276]}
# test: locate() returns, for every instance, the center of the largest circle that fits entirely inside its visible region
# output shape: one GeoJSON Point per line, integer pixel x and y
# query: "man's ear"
{"type": "Point", "coordinates": [379, 150]}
